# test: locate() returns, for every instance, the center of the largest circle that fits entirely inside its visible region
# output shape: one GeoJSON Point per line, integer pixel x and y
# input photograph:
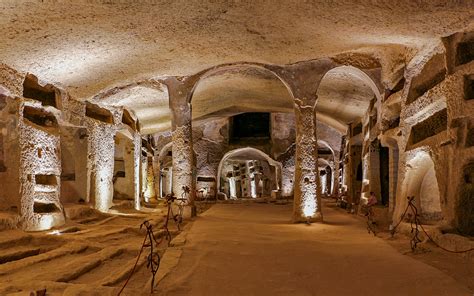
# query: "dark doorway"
{"type": "Point", "coordinates": [384, 175]}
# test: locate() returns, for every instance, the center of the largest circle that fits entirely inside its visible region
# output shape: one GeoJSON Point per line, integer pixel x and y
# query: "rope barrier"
{"type": "Point", "coordinates": [153, 258]}
{"type": "Point", "coordinates": [414, 223]}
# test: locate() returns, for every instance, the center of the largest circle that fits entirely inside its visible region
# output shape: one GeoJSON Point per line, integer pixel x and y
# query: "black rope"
{"type": "Point", "coordinates": [153, 258]}
{"type": "Point", "coordinates": [415, 223]}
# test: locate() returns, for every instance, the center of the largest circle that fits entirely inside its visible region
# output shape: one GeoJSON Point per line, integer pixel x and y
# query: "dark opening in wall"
{"type": "Point", "coordinates": [98, 113]}
{"type": "Point", "coordinates": [44, 208]}
{"type": "Point", "coordinates": [469, 87]}
{"type": "Point", "coordinates": [250, 125]}
{"type": "Point", "coordinates": [394, 123]}
{"type": "Point", "coordinates": [46, 180]}
{"type": "Point", "coordinates": [205, 179]}
{"type": "Point", "coordinates": [429, 127]}
{"type": "Point", "coordinates": [470, 137]}
{"type": "Point", "coordinates": [170, 153]}
{"type": "Point", "coordinates": [432, 74]}
{"type": "Point", "coordinates": [464, 52]}
{"type": "Point", "coordinates": [465, 207]}
{"type": "Point", "coordinates": [40, 117]}
{"type": "Point", "coordinates": [357, 129]}
{"type": "Point", "coordinates": [127, 119]}
{"type": "Point", "coordinates": [324, 152]}
{"type": "Point", "coordinates": [359, 172]}
{"type": "Point", "coordinates": [2, 154]}
{"type": "Point", "coordinates": [45, 94]}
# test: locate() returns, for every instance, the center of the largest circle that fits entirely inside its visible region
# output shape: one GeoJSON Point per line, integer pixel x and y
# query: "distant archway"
{"type": "Point", "coordinates": [249, 153]}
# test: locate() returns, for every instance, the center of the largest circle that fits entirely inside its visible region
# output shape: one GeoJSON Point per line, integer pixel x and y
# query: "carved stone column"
{"type": "Point", "coordinates": [184, 183]}
{"type": "Point", "coordinates": [307, 194]}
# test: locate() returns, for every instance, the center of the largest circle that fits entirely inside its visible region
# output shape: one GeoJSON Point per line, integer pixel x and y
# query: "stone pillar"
{"type": "Point", "coordinates": [336, 167]}
{"type": "Point", "coordinates": [102, 125]}
{"type": "Point", "coordinates": [182, 150]}
{"type": "Point", "coordinates": [100, 167]}
{"type": "Point", "coordinates": [136, 152]}
{"type": "Point", "coordinates": [149, 192]}
{"type": "Point", "coordinates": [307, 192]}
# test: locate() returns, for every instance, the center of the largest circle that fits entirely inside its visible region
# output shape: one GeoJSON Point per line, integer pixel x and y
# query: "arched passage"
{"type": "Point", "coordinates": [348, 92]}
{"type": "Point", "coordinates": [249, 154]}
{"type": "Point", "coordinates": [165, 170]}
{"type": "Point", "coordinates": [228, 90]}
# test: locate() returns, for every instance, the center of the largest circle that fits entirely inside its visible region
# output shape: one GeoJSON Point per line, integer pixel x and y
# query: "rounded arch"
{"type": "Point", "coordinates": [249, 151]}
{"type": "Point", "coordinates": [228, 67]}
{"type": "Point", "coordinates": [420, 181]}
{"type": "Point", "coordinates": [341, 74]}
{"type": "Point", "coordinates": [164, 150]}
{"type": "Point", "coordinates": [147, 99]}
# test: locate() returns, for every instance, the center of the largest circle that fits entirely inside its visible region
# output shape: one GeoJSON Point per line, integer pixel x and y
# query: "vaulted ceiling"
{"type": "Point", "coordinates": [89, 46]}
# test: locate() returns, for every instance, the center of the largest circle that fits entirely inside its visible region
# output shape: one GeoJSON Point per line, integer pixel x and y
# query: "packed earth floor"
{"type": "Point", "coordinates": [253, 249]}
{"type": "Point", "coordinates": [245, 248]}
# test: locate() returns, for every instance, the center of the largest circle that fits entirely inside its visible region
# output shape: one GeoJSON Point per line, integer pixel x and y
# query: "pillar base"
{"type": "Point", "coordinates": [318, 218]}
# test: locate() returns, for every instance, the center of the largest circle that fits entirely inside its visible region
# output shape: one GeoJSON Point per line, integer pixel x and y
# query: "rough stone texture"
{"type": "Point", "coordinates": [183, 166]}
{"type": "Point", "coordinates": [39, 155]}
{"type": "Point", "coordinates": [100, 149]}
{"type": "Point", "coordinates": [307, 192]}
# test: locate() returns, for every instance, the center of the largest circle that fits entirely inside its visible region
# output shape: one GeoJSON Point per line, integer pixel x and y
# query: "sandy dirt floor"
{"type": "Point", "coordinates": [253, 249]}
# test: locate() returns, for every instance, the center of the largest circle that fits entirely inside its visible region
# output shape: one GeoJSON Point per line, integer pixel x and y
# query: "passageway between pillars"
{"type": "Point", "coordinates": [254, 249]}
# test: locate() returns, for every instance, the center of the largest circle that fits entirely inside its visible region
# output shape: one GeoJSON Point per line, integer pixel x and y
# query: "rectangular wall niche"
{"type": "Point", "coordinates": [429, 127]}
{"type": "Point", "coordinates": [469, 87]}
{"type": "Point", "coordinates": [46, 180]}
{"type": "Point", "coordinates": [250, 125]}
{"type": "Point", "coordinates": [101, 114]}
{"type": "Point", "coordinates": [464, 52]}
{"type": "Point", "coordinates": [40, 117]}
{"type": "Point", "coordinates": [45, 94]}
{"type": "Point", "coordinates": [432, 74]}
{"type": "Point", "coordinates": [43, 208]}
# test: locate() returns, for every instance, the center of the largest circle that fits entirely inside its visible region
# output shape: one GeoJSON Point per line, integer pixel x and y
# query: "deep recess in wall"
{"type": "Point", "coordinates": [46, 180]}
{"type": "Point", "coordinates": [470, 137]}
{"type": "Point", "coordinates": [429, 127]}
{"type": "Point", "coordinates": [32, 90]}
{"type": "Point", "coordinates": [466, 202]}
{"type": "Point", "coordinates": [97, 113]}
{"type": "Point", "coordinates": [464, 52]}
{"type": "Point", "coordinates": [432, 74]}
{"type": "Point", "coordinates": [357, 129]}
{"type": "Point", "coordinates": [469, 87]}
{"type": "Point", "coordinates": [40, 117]}
{"type": "Point", "coordinates": [250, 125]}
{"type": "Point", "coordinates": [43, 208]}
